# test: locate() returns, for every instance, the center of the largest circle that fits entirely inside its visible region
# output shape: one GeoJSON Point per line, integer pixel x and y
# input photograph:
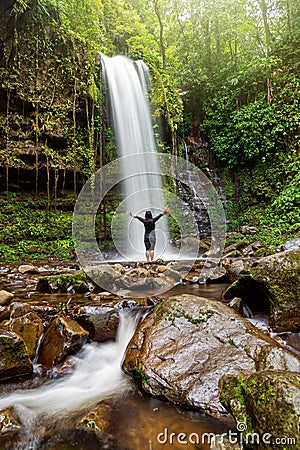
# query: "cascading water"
{"type": "Point", "coordinates": [96, 376]}
{"type": "Point", "coordinates": [127, 83]}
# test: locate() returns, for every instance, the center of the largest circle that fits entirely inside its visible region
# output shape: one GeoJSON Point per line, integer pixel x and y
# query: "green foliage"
{"type": "Point", "coordinates": [221, 69]}
{"type": "Point", "coordinates": [28, 232]}
{"type": "Point", "coordinates": [284, 211]}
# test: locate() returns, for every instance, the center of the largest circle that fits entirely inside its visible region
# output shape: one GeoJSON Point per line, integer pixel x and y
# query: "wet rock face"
{"type": "Point", "coordinates": [293, 244]}
{"type": "Point", "coordinates": [186, 344]}
{"type": "Point", "coordinates": [8, 422]}
{"type": "Point", "coordinates": [97, 421]}
{"type": "Point", "coordinates": [101, 322]}
{"type": "Point", "coordinates": [63, 337]}
{"type": "Point", "coordinates": [266, 403]}
{"type": "Point", "coordinates": [237, 267]}
{"type": "Point", "coordinates": [27, 324]}
{"type": "Point", "coordinates": [14, 359]}
{"type": "Point", "coordinates": [275, 280]}
{"type": "Point", "coordinates": [5, 297]}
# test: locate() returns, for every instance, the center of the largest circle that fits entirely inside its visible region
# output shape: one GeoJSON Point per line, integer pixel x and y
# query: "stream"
{"type": "Point", "coordinates": [50, 405]}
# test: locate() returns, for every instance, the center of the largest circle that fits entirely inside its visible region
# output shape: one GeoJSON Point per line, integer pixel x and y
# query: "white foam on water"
{"type": "Point", "coordinates": [97, 375]}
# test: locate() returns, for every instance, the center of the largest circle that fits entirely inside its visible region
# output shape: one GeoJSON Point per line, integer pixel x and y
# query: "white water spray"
{"type": "Point", "coordinates": [97, 375]}
{"type": "Point", "coordinates": [127, 82]}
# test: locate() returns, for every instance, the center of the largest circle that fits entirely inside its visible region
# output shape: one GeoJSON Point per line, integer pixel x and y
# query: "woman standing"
{"type": "Point", "coordinates": [149, 236]}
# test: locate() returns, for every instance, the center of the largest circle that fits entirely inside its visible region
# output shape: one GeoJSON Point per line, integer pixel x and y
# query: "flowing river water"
{"type": "Point", "coordinates": [50, 406]}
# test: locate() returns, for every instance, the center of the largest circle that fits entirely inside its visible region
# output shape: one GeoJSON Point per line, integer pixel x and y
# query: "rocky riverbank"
{"type": "Point", "coordinates": [189, 350]}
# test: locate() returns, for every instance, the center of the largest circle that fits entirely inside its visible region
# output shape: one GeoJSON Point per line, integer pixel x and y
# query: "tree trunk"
{"type": "Point", "coordinates": [161, 34]}
{"type": "Point", "coordinates": [101, 156]}
{"type": "Point", "coordinates": [74, 136]}
{"type": "Point", "coordinates": [7, 141]}
{"type": "Point", "coordinates": [64, 182]}
{"type": "Point", "coordinates": [48, 178]}
{"type": "Point", "coordinates": [264, 12]}
{"type": "Point", "coordinates": [36, 147]}
{"type": "Point", "coordinates": [90, 126]}
{"type": "Point", "coordinates": [289, 7]}
{"type": "Point", "coordinates": [56, 175]}
{"type": "Point", "coordinates": [207, 39]}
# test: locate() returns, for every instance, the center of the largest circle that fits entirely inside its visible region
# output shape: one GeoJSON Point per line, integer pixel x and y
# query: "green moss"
{"type": "Point", "coordinates": [158, 312]}
{"type": "Point", "coordinates": [66, 281]}
{"type": "Point", "coordinates": [140, 375]}
{"type": "Point", "coordinates": [264, 251]}
{"type": "Point", "coordinates": [177, 313]}
{"type": "Point", "coordinates": [12, 350]}
{"type": "Point", "coordinates": [260, 402]}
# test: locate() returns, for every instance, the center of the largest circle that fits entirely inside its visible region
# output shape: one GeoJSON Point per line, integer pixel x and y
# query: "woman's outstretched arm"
{"type": "Point", "coordinates": [129, 213]}
{"type": "Point", "coordinates": [160, 215]}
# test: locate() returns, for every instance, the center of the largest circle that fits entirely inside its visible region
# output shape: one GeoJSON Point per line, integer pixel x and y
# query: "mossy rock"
{"type": "Point", "coordinates": [275, 282]}
{"type": "Point", "coordinates": [187, 343]}
{"type": "Point", "coordinates": [264, 251]}
{"type": "Point", "coordinates": [14, 358]}
{"type": "Point", "coordinates": [66, 283]}
{"type": "Point", "coordinates": [265, 403]}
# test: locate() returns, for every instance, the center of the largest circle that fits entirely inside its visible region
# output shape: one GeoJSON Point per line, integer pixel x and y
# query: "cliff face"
{"type": "Point", "coordinates": [45, 107]}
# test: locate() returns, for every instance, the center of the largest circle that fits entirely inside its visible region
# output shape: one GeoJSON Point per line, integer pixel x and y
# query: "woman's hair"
{"type": "Point", "coordinates": [148, 215]}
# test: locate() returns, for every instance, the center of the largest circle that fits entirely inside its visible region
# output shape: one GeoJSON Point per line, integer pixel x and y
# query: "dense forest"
{"type": "Point", "coordinates": [226, 84]}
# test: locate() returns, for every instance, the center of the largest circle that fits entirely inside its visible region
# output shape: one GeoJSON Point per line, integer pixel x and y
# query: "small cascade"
{"type": "Point", "coordinates": [186, 153]}
{"type": "Point", "coordinates": [187, 192]}
{"type": "Point", "coordinates": [96, 376]}
{"type": "Point", "coordinates": [246, 311]}
{"type": "Point", "coordinates": [217, 183]}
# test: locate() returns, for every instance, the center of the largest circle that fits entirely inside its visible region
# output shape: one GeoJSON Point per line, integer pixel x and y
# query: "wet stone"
{"type": "Point", "coordinates": [14, 358]}
{"type": "Point", "coordinates": [63, 337]}
{"type": "Point", "coordinates": [5, 297]}
{"type": "Point", "coordinates": [8, 421]}
{"type": "Point", "coordinates": [185, 345]}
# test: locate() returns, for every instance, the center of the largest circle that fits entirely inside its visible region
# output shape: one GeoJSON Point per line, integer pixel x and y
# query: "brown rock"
{"type": "Point", "coordinates": [14, 359]}
{"type": "Point", "coordinates": [63, 337]}
{"type": "Point", "coordinates": [97, 420]}
{"type": "Point", "coordinates": [219, 275]}
{"type": "Point", "coordinates": [184, 346]}
{"type": "Point", "coordinates": [274, 282]}
{"type": "Point", "coordinates": [27, 324]}
{"type": "Point", "coordinates": [101, 322]}
{"type": "Point", "coordinates": [28, 268]}
{"type": "Point", "coordinates": [5, 297]}
{"type": "Point", "coordinates": [237, 267]}
{"type": "Point", "coordinates": [8, 421]}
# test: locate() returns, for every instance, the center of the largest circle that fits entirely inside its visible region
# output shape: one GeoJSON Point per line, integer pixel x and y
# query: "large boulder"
{"type": "Point", "coordinates": [63, 337]}
{"type": "Point", "coordinates": [266, 406]}
{"type": "Point", "coordinates": [275, 282]}
{"type": "Point", "coordinates": [186, 344]}
{"type": "Point", "coordinates": [27, 324]}
{"type": "Point", "coordinates": [14, 359]}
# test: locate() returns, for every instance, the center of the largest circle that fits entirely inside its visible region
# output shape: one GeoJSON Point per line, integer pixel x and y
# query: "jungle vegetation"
{"type": "Point", "coordinates": [225, 82]}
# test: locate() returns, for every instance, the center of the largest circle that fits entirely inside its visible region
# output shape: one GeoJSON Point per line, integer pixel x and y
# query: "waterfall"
{"type": "Point", "coordinates": [127, 84]}
{"type": "Point", "coordinates": [96, 376]}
